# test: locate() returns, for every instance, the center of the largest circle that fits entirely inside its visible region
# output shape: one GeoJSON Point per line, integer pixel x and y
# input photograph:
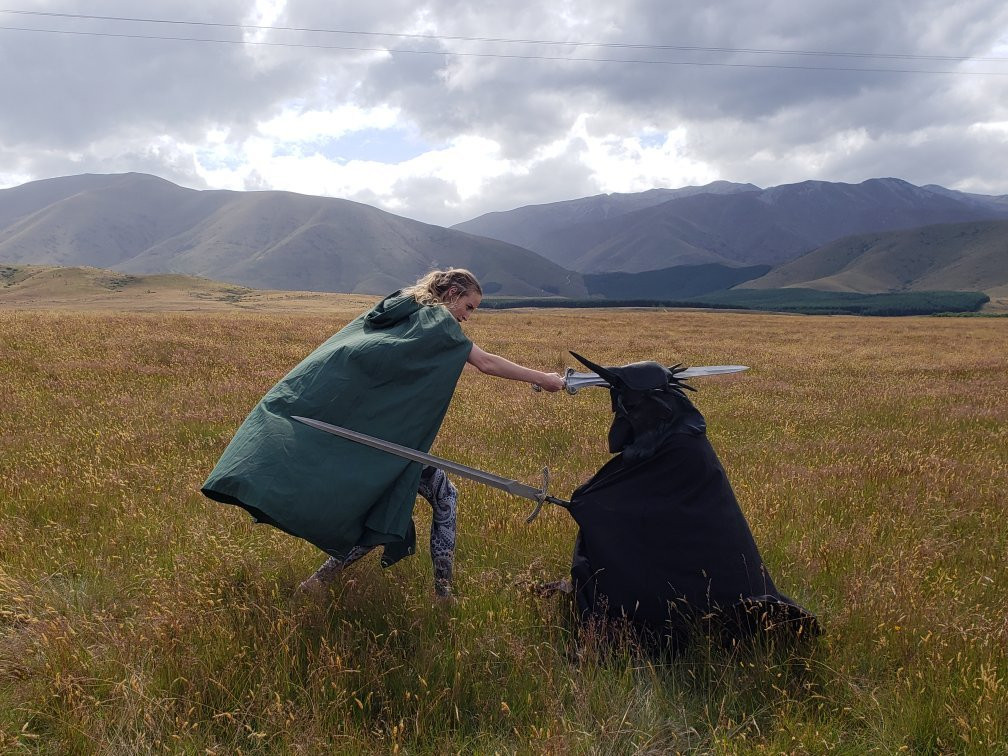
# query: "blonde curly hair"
{"type": "Point", "coordinates": [444, 286]}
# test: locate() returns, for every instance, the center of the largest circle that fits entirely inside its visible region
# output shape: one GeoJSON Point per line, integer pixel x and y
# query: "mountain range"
{"type": "Point", "coordinates": [135, 223]}
{"type": "Point", "coordinates": [878, 236]}
{"type": "Point", "coordinates": [735, 224]}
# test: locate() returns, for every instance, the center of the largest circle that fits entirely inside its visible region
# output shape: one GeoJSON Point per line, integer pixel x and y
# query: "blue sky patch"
{"type": "Point", "coordinates": [652, 139]}
{"type": "Point", "coordinates": [378, 145]}
{"type": "Point", "coordinates": [216, 160]}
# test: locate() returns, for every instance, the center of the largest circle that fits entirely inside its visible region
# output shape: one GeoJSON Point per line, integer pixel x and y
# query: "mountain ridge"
{"type": "Point", "coordinates": [744, 227]}
{"type": "Point", "coordinates": [143, 224]}
{"type": "Point", "coordinates": [139, 224]}
{"type": "Point", "coordinates": [952, 256]}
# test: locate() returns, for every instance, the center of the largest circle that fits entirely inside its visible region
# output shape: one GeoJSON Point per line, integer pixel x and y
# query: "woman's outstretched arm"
{"type": "Point", "coordinates": [492, 364]}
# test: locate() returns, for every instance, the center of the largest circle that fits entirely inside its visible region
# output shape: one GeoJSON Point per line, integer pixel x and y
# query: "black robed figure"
{"type": "Point", "coordinates": [662, 540]}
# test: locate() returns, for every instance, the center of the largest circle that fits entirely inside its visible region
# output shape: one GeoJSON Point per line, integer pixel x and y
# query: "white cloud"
{"type": "Point", "coordinates": [442, 138]}
{"type": "Point", "coordinates": [993, 129]}
{"type": "Point", "coordinates": [637, 162]}
{"type": "Point", "coordinates": [264, 13]}
{"type": "Point", "coordinates": [294, 125]}
{"type": "Point", "coordinates": [465, 164]}
{"type": "Point", "coordinates": [282, 156]}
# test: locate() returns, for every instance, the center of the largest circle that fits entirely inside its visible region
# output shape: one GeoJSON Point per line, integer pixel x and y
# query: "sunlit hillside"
{"type": "Point", "coordinates": [959, 256]}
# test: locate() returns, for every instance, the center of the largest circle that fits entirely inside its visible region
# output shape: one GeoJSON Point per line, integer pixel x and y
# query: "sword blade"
{"type": "Point", "coordinates": [574, 382]}
{"type": "Point", "coordinates": [504, 484]}
{"type": "Point", "coordinates": [695, 372]}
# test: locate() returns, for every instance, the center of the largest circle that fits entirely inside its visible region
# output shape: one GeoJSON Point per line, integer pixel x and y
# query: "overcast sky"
{"type": "Point", "coordinates": [442, 110]}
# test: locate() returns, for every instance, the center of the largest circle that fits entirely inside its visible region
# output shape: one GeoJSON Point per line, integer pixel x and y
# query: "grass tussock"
{"type": "Point", "coordinates": [870, 456]}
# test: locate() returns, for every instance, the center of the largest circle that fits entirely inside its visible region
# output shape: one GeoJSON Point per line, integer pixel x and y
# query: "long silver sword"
{"type": "Point", "coordinates": [574, 382]}
{"type": "Point", "coordinates": [538, 495]}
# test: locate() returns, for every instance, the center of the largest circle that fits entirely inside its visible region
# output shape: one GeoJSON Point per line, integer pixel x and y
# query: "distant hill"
{"type": "Point", "coordinates": [957, 256]}
{"type": "Point", "coordinates": [652, 245]}
{"type": "Point", "coordinates": [137, 223]}
{"type": "Point", "coordinates": [743, 226]}
{"type": "Point", "coordinates": [995, 202]}
{"type": "Point", "coordinates": [798, 301]}
{"type": "Point", "coordinates": [536, 226]}
{"type": "Point", "coordinates": [85, 289]}
{"type": "Point", "coordinates": [30, 287]}
{"type": "Point", "coordinates": [676, 282]}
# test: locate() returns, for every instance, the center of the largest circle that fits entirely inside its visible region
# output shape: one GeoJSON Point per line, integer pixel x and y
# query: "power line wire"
{"type": "Point", "coordinates": [511, 56]}
{"type": "Point", "coordinates": [506, 40]}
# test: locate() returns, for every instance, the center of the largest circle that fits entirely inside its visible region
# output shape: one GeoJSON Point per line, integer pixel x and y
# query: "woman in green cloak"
{"type": "Point", "coordinates": [389, 373]}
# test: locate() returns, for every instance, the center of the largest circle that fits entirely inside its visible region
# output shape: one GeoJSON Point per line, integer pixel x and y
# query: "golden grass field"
{"type": "Point", "coordinates": [870, 456]}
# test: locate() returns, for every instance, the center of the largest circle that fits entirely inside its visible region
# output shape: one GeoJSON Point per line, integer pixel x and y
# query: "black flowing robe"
{"type": "Point", "coordinates": [664, 544]}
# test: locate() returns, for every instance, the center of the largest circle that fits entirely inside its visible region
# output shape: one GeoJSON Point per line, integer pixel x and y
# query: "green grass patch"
{"type": "Point", "coordinates": [870, 456]}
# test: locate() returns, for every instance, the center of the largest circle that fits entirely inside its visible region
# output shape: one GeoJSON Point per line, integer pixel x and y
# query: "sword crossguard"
{"type": "Point", "coordinates": [540, 497]}
{"type": "Point", "coordinates": [567, 384]}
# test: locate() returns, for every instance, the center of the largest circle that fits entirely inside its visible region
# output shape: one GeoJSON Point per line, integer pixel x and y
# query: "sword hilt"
{"type": "Point", "coordinates": [566, 387]}
{"type": "Point", "coordinates": [542, 497]}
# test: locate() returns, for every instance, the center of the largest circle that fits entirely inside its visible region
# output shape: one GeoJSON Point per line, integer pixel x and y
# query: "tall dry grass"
{"type": "Point", "coordinates": [869, 455]}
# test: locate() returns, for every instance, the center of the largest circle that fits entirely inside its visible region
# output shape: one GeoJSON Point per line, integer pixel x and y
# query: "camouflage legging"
{"type": "Point", "coordinates": [443, 497]}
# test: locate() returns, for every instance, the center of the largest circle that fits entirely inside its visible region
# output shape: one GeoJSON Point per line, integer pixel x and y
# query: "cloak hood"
{"type": "Point", "coordinates": [395, 308]}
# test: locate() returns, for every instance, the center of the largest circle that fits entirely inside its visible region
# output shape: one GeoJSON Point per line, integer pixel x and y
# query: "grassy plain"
{"type": "Point", "coordinates": [869, 455]}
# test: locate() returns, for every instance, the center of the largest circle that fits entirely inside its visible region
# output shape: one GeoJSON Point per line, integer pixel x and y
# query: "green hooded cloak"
{"type": "Point", "coordinates": [389, 373]}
